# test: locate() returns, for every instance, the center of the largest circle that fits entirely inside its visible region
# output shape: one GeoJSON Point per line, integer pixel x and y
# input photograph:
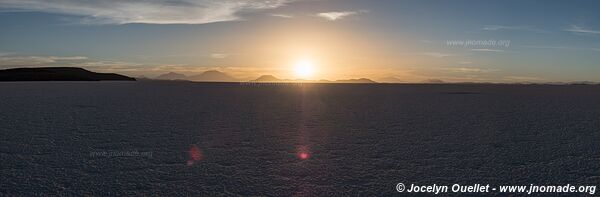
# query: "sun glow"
{"type": "Point", "coordinates": [304, 68]}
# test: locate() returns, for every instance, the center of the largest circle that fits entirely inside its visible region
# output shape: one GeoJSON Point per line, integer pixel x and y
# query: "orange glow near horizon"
{"type": "Point", "coordinates": [309, 50]}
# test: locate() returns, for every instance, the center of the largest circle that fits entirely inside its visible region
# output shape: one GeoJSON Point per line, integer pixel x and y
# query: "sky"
{"type": "Point", "coordinates": [384, 40]}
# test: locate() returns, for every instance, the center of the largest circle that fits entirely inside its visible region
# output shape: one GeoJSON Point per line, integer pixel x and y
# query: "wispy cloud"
{"type": "Point", "coordinates": [561, 48]}
{"type": "Point", "coordinates": [17, 60]}
{"type": "Point", "coordinates": [122, 67]}
{"type": "Point", "coordinates": [219, 55]}
{"type": "Point", "coordinates": [522, 28]}
{"type": "Point", "coordinates": [581, 30]}
{"type": "Point", "coordinates": [472, 70]}
{"type": "Point", "coordinates": [338, 15]}
{"type": "Point", "coordinates": [282, 15]}
{"type": "Point", "coordinates": [5, 54]}
{"type": "Point", "coordinates": [150, 11]}
{"type": "Point", "coordinates": [522, 78]}
{"type": "Point", "coordinates": [437, 54]}
{"type": "Point", "coordinates": [487, 50]}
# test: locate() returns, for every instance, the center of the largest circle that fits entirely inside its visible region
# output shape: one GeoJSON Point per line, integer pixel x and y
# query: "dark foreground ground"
{"type": "Point", "coordinates": [133, 138]}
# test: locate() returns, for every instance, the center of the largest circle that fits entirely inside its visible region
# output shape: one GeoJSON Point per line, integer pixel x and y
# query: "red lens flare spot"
{"type": "Point", "coordinates": [303, 155]}
{"type": "Point", "coordinates": [195, 154]}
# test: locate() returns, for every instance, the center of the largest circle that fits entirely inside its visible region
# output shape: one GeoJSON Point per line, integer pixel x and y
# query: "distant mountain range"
{"type": "Point", "coordinates": [58, 74]}
{"type": "Point", "coordinates": [273, 79]}
{"type": "Point", "coordinates": [80, 74]}
{"type": "Point", "coordinates": [390, 80]}
{"type": "Point", "coordinates": [217, 76]}
{"type": "Point", "coordinates": [433, 81]}
{"type": "Point", "coordinates": [267, 78]}
{"type": "Point", "coordinates": [209, 76]}
{"type": "Point", "coordinates": [213, 76]}
{"type": "Point", "coordinates": [361, 80]}
{"type": "Point", "coordinates": [171, 76]}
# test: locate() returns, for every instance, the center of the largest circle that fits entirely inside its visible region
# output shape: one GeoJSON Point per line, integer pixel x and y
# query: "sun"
{"type": "Point", "coordinates": [304, 68]}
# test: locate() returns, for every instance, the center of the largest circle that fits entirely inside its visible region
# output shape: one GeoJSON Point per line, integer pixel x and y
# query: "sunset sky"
{"type": "Point", "coordinates": [476, 41]}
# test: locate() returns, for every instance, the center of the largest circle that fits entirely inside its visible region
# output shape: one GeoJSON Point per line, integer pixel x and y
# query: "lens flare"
{"type": "Point", "coordinates": [195, 155]}
{"type": "Point", "coordinates": [303, 155]}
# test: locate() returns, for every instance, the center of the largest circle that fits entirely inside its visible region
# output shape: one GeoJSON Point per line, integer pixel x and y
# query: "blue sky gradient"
{"type": "Point", "coordinates": [548, 40]}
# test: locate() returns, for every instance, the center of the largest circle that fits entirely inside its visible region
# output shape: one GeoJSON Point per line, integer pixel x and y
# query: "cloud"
{"type": "Point", "coordinates": [219, 55]}
{"type": "Point", "coordinates": [561, 48]}
{"type": "Point", "coordinates": [5, 54]}
{"type": "Point", "coordinates": [522, 78]}
{"type": "Point", "coordinates": [121, 67]}
{"type": "Point", "coordinates": [282, 15]}
{"type": "Point", "coordinates": [437, 55]}
{"type": "Point", "coordinates": [17, 60]}
{"type": "Point", "coordinates": [487, 50]}
{"type": "Point", "coordinates": [148, 11]}
{"type": "Point", "coordinates": [502, 27]}
{"type": "Point", "coordinates": [581, 30]}
{"type": "Point", "coordinates": [472, 70]}
{"type": "Point", "coordinates": [333, 16]}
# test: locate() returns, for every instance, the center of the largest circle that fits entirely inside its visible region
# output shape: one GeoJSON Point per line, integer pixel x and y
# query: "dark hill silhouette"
{"type": "Point", "coordinates": [212, 76]}
{"type": "Point", "coordinates": [390, 80]}
{"type": "Point", "coordinates": [271, 78]}
{"type": "Point", "coordinates": [58, 74]}
{"type": "Point", "coordinates": [171, 76]}
{"type": "Point", "coordinates": [267, 78]}
{"type": "Point", "coordinates": [361, 80]}
{"type": "Point", "coordinates": [433, 81]}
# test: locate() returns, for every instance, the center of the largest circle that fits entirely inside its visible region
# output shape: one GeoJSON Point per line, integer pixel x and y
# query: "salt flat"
{"type": "Point", "coordinates": [133, 138]}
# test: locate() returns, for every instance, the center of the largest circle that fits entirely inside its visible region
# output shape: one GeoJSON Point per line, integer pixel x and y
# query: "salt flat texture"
{"type": "Point", "coordinates": [359, 139]}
